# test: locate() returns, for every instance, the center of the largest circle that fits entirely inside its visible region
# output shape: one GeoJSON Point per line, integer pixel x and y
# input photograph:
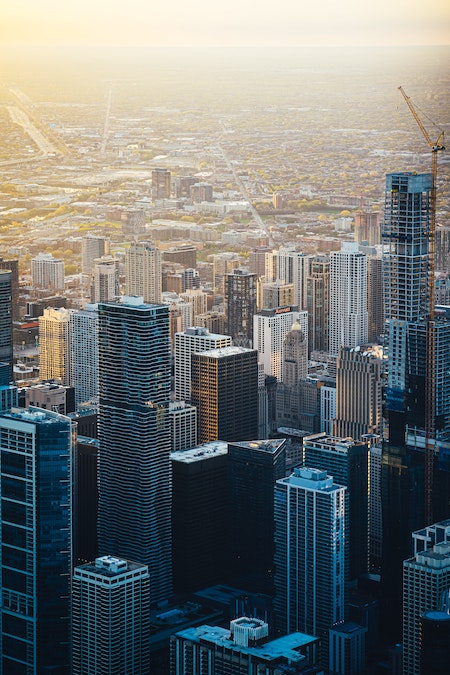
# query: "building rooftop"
{"type": "Point", "coordinates": [226, 351]}
{"type": "Point", "coordinates": [34, 415]}
{"type": "Point", "coordinates": [109, 566]}
{"type": "Point", "coordinates": [269, 446]}
{"type": "Point", "coordinates": [200, 453]}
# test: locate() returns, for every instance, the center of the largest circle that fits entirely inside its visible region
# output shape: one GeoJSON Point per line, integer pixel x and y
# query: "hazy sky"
{"type": "Point", "coordinates": [230, 22]}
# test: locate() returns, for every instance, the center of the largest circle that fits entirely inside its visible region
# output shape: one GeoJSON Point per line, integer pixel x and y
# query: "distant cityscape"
{"type": "Point", "coordinates": [225, 371]}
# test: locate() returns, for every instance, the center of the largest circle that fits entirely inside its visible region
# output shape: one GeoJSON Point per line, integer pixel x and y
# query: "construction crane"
{"type": "Point", "coordinates": [430, 364]}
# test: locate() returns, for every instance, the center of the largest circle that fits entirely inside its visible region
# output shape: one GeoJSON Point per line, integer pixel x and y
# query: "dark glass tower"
{"type": "Point", "coordinates": [240, 292]}
{"type": "Point", "coordinates": [35, 541]}
{"type": "Point", "coordinates": [134, 466]}
{"type": "Point", "coordinates": [6, 340]}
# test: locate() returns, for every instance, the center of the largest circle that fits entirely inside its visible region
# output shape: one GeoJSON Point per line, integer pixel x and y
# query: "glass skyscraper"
{"type": "Point", "coordinates": [35, 541]}
{"type": "Point", "coordinates": [134, 467]}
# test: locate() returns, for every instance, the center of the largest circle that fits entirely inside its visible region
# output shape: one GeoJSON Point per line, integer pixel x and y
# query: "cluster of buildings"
{"type": "Point", "coordinates": [265, 433]}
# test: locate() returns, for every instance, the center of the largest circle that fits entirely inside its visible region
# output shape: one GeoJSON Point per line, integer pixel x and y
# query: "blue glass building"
{"type": "Point", "coordinates": [35, 541]}
{"type": "Point", "coordinates": [134, 520]}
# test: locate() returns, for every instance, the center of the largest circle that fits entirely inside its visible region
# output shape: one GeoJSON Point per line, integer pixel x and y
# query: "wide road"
{"type": "Point", "coordinates": [18, 116]}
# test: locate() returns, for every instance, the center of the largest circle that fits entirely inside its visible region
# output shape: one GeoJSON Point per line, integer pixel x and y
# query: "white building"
{"type": "Point", "coordinates": [47, 272]}
{"type": "Point", "coordinates": [92, 247]}
{"type": "Point", "coordinates": [110, 618]}
{"type": "Point", "coordinates": [426, 576]}
{"type": "Point", "coordinates": [143, 271]}
{"type": "Point", "coordinates": [348, 298]}
{"type": "Point", "coordinates": [293, 268]}
{"type": "Point", "coordinates": [193, 339]}
{"type": "Point", "coordinates": [85, 354]}
{"type": "Point", "coordinates": [309, 554]}
{"type": "Point", "coordinates": [327, 408]}
{"type": "Point", "coordinates": [105, 283]}
{"type": "Point", "coordinates": [270, 328]}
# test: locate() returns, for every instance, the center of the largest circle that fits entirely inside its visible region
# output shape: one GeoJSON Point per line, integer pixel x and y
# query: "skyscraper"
{"type": "Point", "coordinates": [426, 577]}
{"type": "Point", "coordinates": [225, 391]}
{"type": "Point", "coordinates": [160, 184]}
{"type": "Point", "coordinates": [254, 467]}
{"type": "Point", "coordinates": [310, 554]}
{"type": "Point", "coordinates": [6, 334]}
{"type": "Point", "coordinates": [318, 303]}
{"type": "Point", "coordinates": [270, 328]}
{"type": "Point", "coordinates": [292, 267]}
{"type": "Point", "coordinates": [193, 339]}
{"type": "Point", "coordinates": [35, 541]}
{"type": "Point", "coordinates": [47, 272]}
{"type": "Point", "coordinates": [240, 294]}
{"type": "Point", "coordinates": [110, 618]}
{"type": "Point", "coordinates": [85, 354]}
{"type": "Point", "coordinates": [92, 247]}
{"type": "Point", "coordinates": [143, 271]}
{"type": "Point", "coordinates": [55, 345]}
{"type": "Point", "coordinates": [105, 280]}
{"type": "Point", "coordinates": [348, 298]}
{"type": "Point", "coordinates": [134, 434]}
{"type": "Point", "coordinates": [13, 267]}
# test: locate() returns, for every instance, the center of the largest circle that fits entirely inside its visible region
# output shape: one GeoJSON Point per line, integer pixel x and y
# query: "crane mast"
{"type": "Point", "coordinates": [430, 364]}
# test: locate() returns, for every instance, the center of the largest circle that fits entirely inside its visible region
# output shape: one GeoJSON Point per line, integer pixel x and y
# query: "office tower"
{"type": "Point", "coordinates": [277, 294]}
{"type": "Point", "coordinates": [13, 267]}
{"type": "Point", "coordinates": [185, 255]}
{"type": "Point", "coordinates": [240, 296]}
{"type": "Point", "coordinates": [198, 299]}
{"type": "Point", "coordinates": [375, 506]}
{"type": "Point", "coordinates": [310, 554]}
{"type": "Point", "coordinates": [215, 322]}
{"type": "Point", "coordinates": [200, 517]}
{"type": "Point", "coordinates": [6, 333]}
{"type": "Point", "coordinates": [434, 642]}
{"type": "Point", "coordinates": [243, 649]}
{"type": "Point", "coordinates": [367, 227]}
{"type": "Point", "coordinates": [375, 308]}
{"type": "Point", "coordinates": [293, 268]}
{"type": "Point", "coordinates": [133, 430]}
{"type": "Point", "coordinates": [85, 495]}
{"type": "Point", "coordinates": [85, 354]}
{"type": "Point", "coordinates": [426, 577]}
{"type": "Point", "coordinates": [358, 392]}
{"type": "Point", "coordinates": [327, 405]}
{"type": "Point", "coordinates": [190, 279]}
{"type": "Point", "coordinates": [193, 339]}
{"type": "Point", "coordinates": [348, 298]}
{"type": "Point", "coordinates": [294, 369]}
{"type": "Point", "coordinates": [254, 467]}
{"type": "Point", "coordinates": [36, 475]}
{"type": "Point", "coordinates": [348, 649]}
{"type": "Point", "coordinates": [442, 249]}
{"type": "Point", "coordinates": [318, 303]}
{"type": "Point", "coordinates": [225, 391]}
{"type": "Point", "coordinates": [270, 328]}
{"type": "Point", "coordinates": [160, 184]}
{"type": "Point", "coordinates": [348, 462]}
{"type": "Point", "coordinates": [8, 392]}
{"type": "Point", "coordinates": [92, 247]}
{"type": "Point", "coordinates": [105, 280]}
{"type": "Point", "coordinates": [47, 272]}
{"type": "Point", "coordinates": [51, 396]}
{"type": "Point", "coordinates": [183, 425]}
{"type": "Point", "coordinates": [143, 271]}
{"type": "Point", "coordinates": [55, 345]}
{"type": "Point", "coordinates": [110, 618]}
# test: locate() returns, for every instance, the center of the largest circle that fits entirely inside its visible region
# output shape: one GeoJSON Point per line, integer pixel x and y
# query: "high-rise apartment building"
{"type": "Point", "coordinates": [270, 328]}
{"type": "Point", "coordinates": [6, 334]}
{"type": "Point", "coordinates": [35, 541]}
{"type": "Point", "coordinates": [261, 262]}
{"type": "Point", "coordinates": [200, 517]}
{"type": "Point", "coordinates": [375, 305]}
{"type": "Point", "coordinates": [13, 266]}
{"type": "Point", "coordinates": [442, 249]}
{"type": "Point", "coordinates": [293, 268]}
{"type": "Point", "coordinates": [105, 279]}
{"type": "Point", "coordinates": [183, 425]}
{"type": "Point", "coordinates": [348, 298]}
{"type": "Point", "coordinates": [198, 299]}
{"type": "Point", "coordinates": [134, 384]}
{"type": "Point", "coordinates": [110, 618]}
{"type": "Point", "coordinates": [55, 345]}
{"type": "Point", "coordinates": [358, 392]}
{"type": "Point", "coordinates": [143, 271]}
{"type": "Point", "coordinates": [193, 339]}
{"type": "Point", "coordinates": [367, 227]}
{"type": "Point", "coordinates": [254, 467]}
{"type": "Point", "coordinates": [160, 184]}
{"type": "Point", "coordinates": [348, 462]}
{"type": "Point", "coordinates": [310, 554]}
{"type": "Point", "coordinates": [92, 247]}
{"type": "Point", "coordinates": [240, 295]}
{"type": "Point", "coordinates": [426, 577]}
{"type": "Point", "coordinates": [225, 391]}
{"type": "Point", "coordinates": [47, 272]}
{"type": "Point", "coordinates": [277, 294]}
{"type": "Point", "coordinates": [318, 303]}
{"type": "Point", "coordinates": [85, 354]}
